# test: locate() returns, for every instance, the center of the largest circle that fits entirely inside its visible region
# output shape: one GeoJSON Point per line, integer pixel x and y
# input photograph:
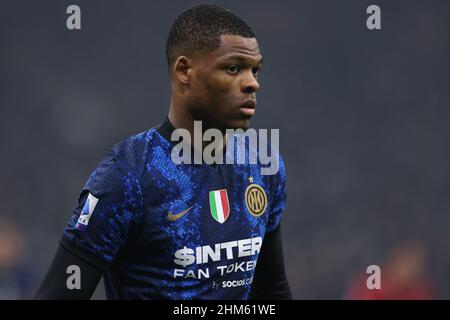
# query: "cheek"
{"type": "Point", "coordinates": [220, 86]}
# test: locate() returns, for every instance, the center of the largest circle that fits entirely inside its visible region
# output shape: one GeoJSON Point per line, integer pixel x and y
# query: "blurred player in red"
{"type": "Point", "coordinates": [403, 276]}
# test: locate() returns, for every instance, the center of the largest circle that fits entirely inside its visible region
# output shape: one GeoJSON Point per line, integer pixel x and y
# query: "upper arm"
{"type": "Point", "coordinates": [270, 280]}
{"type": "Point", "coordinates": [109, 209]}
{"type": "Point", "coordinates": [278, 197]}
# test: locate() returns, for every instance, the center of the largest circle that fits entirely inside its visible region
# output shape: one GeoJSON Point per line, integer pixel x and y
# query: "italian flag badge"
{"type": "Point", "coordinates": [219, 204]}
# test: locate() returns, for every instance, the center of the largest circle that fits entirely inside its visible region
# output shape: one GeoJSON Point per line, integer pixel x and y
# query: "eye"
{"type": "Point", "coordinates": [256, 70]}
{"type": "Point", "coordinates": [233, 69]}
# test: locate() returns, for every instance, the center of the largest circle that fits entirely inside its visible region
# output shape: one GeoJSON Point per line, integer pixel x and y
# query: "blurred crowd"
{"type": "Point", "coordinates": [17, 277]}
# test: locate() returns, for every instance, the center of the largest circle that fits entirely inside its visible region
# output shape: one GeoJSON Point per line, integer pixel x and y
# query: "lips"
{"type": "Point", "coordinates": [248, 108]}
{"type": "Point", "coordinates": [250, 104]}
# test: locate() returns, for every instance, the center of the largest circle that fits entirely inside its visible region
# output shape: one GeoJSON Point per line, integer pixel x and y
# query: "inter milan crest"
{"type": "Point", "coordinates": [219, 204]}
{"type": "Point", "coordinates": [255, 199]}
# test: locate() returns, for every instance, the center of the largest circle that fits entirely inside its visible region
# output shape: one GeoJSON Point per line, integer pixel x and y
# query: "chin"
{"type": "Point", "coordinates": [243, 124]}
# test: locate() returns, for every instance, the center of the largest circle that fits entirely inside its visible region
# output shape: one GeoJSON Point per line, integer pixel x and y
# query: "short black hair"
{"type": "Point", "coordinates": [200, 27]}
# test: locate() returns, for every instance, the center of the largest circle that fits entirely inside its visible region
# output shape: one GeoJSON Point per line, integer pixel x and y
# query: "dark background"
{"type": "Point", "coordinates": [363, 118]}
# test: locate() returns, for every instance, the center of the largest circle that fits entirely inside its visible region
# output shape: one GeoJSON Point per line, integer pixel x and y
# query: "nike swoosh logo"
{"type": "Point", "coordinates": [173, 217]}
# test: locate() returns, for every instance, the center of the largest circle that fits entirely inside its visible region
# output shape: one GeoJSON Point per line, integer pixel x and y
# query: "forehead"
{"type": "Point", "coordinates": [233, 46]}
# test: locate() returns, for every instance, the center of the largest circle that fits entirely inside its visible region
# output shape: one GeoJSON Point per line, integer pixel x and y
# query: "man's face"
{"type": "Point", "coordinates": [224, 83]}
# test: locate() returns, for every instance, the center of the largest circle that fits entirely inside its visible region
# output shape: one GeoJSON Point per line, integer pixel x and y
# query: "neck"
{"type": "Point", "coordinates": [181, 118]}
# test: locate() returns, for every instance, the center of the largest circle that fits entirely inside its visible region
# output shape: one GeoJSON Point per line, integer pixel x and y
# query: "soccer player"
{"type": "Point", "coordinates": [159, 230]}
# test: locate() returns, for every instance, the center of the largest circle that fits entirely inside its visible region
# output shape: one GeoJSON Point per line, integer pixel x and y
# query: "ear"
{"type": "Point", "coordinates": [182, 69]}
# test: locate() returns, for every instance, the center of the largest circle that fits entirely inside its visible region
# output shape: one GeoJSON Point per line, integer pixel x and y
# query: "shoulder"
{"type": "Point", "coordinates": [134, 152]}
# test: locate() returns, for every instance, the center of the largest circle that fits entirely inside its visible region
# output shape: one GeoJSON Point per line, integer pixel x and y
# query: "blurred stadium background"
{"type": "Point", "coordinates": [363, 118]}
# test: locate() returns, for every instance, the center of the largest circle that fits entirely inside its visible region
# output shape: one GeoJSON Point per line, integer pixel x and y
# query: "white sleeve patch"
{"type": "Point", "coordinates": [87, 211]}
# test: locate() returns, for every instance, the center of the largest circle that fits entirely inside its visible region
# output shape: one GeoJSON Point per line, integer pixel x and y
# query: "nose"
{"type": "Point", "coordinates": [250, 83]}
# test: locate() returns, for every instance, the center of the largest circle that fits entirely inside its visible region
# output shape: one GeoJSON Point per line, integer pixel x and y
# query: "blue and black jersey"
{"type": "Point", "coordinates": [162, 230]}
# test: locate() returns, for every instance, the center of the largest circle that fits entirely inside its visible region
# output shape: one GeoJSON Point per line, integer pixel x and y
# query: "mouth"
{"type": "Point", "coordinates": [248, 108]}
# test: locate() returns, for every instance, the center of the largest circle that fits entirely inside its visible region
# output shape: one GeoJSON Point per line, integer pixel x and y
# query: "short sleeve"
{"type": "Point", "coordinates": [278, 199]}
{"type": "Point", "coordinates": [109, 207]}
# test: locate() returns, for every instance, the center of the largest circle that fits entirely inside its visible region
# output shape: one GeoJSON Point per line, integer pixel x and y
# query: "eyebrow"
{"type": "Point", "coordinates": [242, 58]}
